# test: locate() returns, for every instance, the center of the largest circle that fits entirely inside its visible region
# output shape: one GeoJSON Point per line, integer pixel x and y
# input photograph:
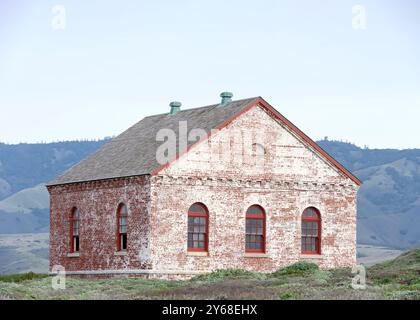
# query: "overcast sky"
{"type": "Point", "coordinates": [116, 62]}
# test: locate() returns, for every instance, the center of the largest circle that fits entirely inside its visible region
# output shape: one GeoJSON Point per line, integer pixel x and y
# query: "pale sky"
{"type": "Point", "coordinates": [116, 62]}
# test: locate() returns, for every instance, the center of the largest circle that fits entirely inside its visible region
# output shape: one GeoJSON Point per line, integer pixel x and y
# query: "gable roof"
{"type": "Point", "coordinates": [133, 152]}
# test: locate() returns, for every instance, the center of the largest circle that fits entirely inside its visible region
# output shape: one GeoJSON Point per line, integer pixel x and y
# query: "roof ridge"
{"type": "Point", "coordinates": [203, 107]}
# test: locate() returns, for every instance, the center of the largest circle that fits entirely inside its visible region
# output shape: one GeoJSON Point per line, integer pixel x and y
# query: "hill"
{"type": "Point", "coordinates": [389, 199]}
{"type": "Point", "coordinates": [26, 165]}
{"type": "Point", "coordinates": [24, 170]}
{"type": "Point", "coordinates": [395, 279]}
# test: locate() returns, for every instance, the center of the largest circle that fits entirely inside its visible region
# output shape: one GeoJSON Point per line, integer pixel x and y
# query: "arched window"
{"type": "Point", "coordinates": [311, 231]}
{"type": "Point", "coordinates": [74, 230]}
{"type": "Point", "coordinates": [255, 229]}
{"type": "Point", "coordinates": [198, 225]}
{"type": "Point", "coordinates": [122, 224]}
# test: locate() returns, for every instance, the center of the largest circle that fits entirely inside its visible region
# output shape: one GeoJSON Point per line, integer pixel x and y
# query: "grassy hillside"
{"type": "Point", "coordinates": [388, 208]}
{"type": "Point", "coordinates": [395, 279]}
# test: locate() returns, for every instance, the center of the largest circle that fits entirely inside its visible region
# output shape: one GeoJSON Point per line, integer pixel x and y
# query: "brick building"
{"type": "Point", "coordinates": [231, 185]}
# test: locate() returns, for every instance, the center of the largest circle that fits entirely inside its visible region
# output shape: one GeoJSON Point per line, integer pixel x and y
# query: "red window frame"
{"type": "Point", "coordinates": [255, 227]}
{"type": "Point", "coordinates": [122, 228]}
{"type": "Point", "coordinates": [311, 231]}
{"type": "Point", "coordinates": [74, 232]}
{"type": "Point", "coordinates": [197, 220]}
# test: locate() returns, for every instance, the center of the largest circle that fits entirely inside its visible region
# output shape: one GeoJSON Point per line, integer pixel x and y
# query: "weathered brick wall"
{"type": "Point", "coordinates": [227, 203]}
{"type": "Point", "coordinates": [291, 179]}
{"type": "Point", "coordinates": [286, 156]}
{"type": "Point", "coordinates": [97, 203]}
{"type": "Point", "coordinates": [284, 181]}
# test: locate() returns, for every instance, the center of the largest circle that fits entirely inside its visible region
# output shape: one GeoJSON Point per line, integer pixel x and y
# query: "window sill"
{"type": "Point", "coordinates": [73, 255]}
{"type": "Point", "coordinates": [120, 253]}
{"type": "Point", "coordinates": [255, 255]}
{"type": "Point", "coordinates": [311, 256]}
{"type": "Point", "coordinates": [197, 254]}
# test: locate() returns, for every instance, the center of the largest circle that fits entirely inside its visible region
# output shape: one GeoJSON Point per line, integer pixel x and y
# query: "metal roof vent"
{"type": "Point", "coordinates": [226, 98]}
{"type": "Point", "coordinates": [175, 107]}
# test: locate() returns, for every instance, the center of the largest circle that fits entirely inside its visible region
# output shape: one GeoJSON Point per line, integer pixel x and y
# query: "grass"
{"type": "Point", "coordinates": [19, 277]}
{"type": "Point", "coordinates": [225, 274]}
{"type": "Point", "coordinates": [402, 270]}
{"type": "Point", "coordinates": [298, 268]}
{"type": "Point", "coordinates": [395, 279]}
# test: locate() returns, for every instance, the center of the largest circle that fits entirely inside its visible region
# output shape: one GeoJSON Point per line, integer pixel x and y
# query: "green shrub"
{"type": "Point", "coordinates": [382, 281]}
{"type": "Point", "coordinates": [19, 277]}
{"type": "Point", "coordinates": [226, 274]}
{"type": "Point", "coordinates": [298, 268]}
{"type": "Point", "coordinates": [288, 296]}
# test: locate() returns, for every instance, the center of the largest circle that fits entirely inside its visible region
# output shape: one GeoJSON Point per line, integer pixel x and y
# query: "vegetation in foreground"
{"type": "Point", "coordinates": [395, 279]}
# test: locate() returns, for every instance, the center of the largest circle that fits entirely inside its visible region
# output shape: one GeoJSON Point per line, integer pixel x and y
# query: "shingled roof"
{"type": "Point", "coordinates": [133, 152]}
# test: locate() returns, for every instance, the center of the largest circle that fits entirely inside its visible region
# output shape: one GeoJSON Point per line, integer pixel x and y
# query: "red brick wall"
{"type": "Point", "coordinates": [97, 203]}
{"type": "Point", "coordinates": [227, 203]}
{"type": "Point", "coordinates": [286, 180]}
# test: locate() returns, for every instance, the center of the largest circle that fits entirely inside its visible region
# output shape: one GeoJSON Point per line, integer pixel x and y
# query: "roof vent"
{"type": "Point", "coordinates": [175, 107]}
{"type": "Point", "coordinates": [226, 97]}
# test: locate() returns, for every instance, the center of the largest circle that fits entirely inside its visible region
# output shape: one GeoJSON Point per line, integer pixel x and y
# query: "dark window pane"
{"type": "Point", "coordinates": [310, 213]}
{"type": "Point", "coordinates": [123, 241]}
{"type": "Point", "coordinates": [197, 208]}
{"type": "Point", "coordinates": [76, 243]}
{"type": "Point", "coordinates": [123, 210]}
{"type": "Point", "coordinates": [254, 234]}
{"type": "Point", "coordinates": [197, 232]}
{"type": "Point", "coordinates": [255, 210]}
